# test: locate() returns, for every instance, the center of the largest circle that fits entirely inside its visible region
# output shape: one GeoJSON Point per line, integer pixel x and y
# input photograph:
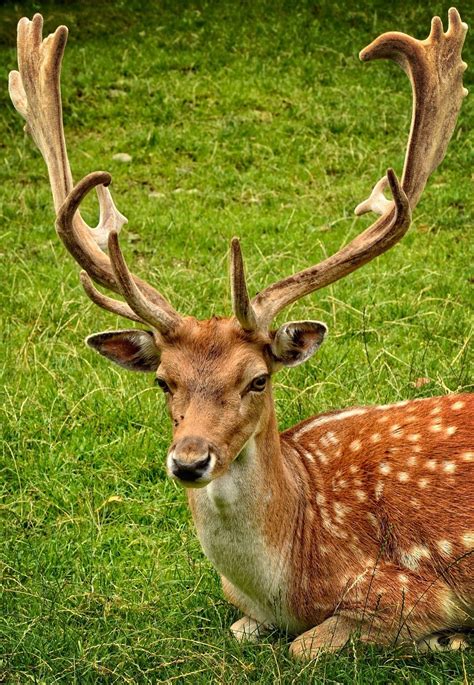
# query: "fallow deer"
{"type": "Point", "coordinates": [334, 527]}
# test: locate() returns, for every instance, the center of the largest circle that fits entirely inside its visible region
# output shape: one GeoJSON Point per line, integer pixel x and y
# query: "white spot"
{"type": "Point", "coordinates": [353, 468]}
{"type": "Point", "coordinates": [332, 438]}
{"type": "Point", "coordinates": [321, 456]}
{"type": "Point", "coordinates": [340, 510]}
{"type": "Point", "coordinates": [320, 499]}
{"type": "Point", "coordinates": [415, 502]}
{"type": "Point", "coordinates": [436, 410]}
{"type": "Point", "coordinates": [467, 456]}
{"type": "Point", "coordinates": [457, 405]}
{"type": "Point", "coordinates": [411, 461]}
{"type": "Point", "coordinates": [339, 532]}
{"type": "Point", "coordinates": [412, 558]}
{"type": "Point", "coordinates": [361, 496]}
{"type": "Point", "coordinates": [423, 483]}
{"type": "Point", "coordinates": [417, 448]}
{"type": "Point", "coordinates": [379, 490]}
{"type": "Point", "coordinates": [432, 464]}
{"type": "Point", "coordinates": [445, 547]}
{"type": "Point", "coordinates": [468, 540]}
{"type": "Point", "coordinates": [449, 467]}
{"type": "Point", "coordinates": [375, 437]}
{"type": "Point", "coordinates": [451, 430]}
{"type": "Point", "coordinates": [403, 476]}
{"type": "Point", "coordinates": [372, 519]}
{"type": "Point", "coordinates": [321, 421]}
{"type": "Point", "coordinates": [383, 419]}
{"type": "Point", "coordinates": [384, 468]}
{"type": "Point", "coordinates": [436, 428]}
{"type": "Point", "coordinates": [355, 445]}
{"type": "Point", "coordinates": [327, 523]}
{"type": "Point", "coordinates": [414, 437]}
{"type": "Point", "coordinates": [403, 578]}
{"type": "Point", "coordinates": [307, 455]}
{"type": "Point", "coordinates": [357, 482]}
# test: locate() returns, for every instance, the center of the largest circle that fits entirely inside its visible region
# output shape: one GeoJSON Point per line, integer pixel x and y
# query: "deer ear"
{"type": "Point", "coordinates": [296, 341]}
{"type": "Point", "coordinates": [135, 350]}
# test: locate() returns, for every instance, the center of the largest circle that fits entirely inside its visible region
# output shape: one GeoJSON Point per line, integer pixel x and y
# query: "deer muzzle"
{"type": "Point", "coordinates": [191, 461]}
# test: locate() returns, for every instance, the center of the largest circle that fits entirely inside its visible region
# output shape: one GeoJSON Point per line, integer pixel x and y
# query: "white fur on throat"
{"type": "Point", "coordinates": [230, 533]}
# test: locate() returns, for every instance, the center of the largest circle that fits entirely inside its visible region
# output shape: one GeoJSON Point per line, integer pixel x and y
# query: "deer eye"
{"type": "Point", "coordinates": [259, 383]}
{"type": "Point", "coordinates": [162, 384]}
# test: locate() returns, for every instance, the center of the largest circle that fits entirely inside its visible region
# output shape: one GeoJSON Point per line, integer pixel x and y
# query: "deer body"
{"type": "Point", "coordinates": [354, 526]}
{"type": "Point", "coordinates": [353, 521]}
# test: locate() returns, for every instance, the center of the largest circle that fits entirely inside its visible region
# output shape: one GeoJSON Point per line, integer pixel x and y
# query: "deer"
{"type": "Point", "coordinates": [331, 530]}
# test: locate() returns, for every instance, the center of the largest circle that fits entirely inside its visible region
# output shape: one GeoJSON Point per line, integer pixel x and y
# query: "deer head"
{"type": "Point", "coordinates": [216, 374]}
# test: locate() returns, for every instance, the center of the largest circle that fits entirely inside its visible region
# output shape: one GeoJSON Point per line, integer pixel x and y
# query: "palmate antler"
{"type": "Point", "coordinates": [35, 93]}
{"type": "Point", "coordinates": [435, 69]}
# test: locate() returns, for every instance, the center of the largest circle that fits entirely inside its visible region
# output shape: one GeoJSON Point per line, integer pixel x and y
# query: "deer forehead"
{"type": "Point", "coordinates": [215, 349]}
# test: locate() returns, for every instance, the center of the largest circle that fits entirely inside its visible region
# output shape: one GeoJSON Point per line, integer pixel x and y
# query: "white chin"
{"type": "Point", "coordinates": [195, 484]}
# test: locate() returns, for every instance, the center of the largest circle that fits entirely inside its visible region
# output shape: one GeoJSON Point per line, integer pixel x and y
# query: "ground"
{"type": "Point", "coordinates": [249, 119]}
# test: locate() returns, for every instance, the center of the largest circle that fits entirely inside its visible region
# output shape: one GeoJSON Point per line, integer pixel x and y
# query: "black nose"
{"type": "Point", "coordinates": [189, 471]}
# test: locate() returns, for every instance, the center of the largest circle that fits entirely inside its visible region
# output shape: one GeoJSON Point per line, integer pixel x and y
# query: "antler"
{"type": "Point", "coordinates": [435, 69]}
{"type": "Point", "coordinates": [36, 94]}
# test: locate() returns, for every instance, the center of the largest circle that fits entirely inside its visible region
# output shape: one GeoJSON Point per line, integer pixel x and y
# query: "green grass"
{"type": "Point", "coordinates": [254, 119]}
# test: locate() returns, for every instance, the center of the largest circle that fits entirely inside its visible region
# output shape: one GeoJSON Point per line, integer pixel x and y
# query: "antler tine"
{"type": "Point", "coordinates": [152, 307]}
{"type": "Point", "coordinates": [36, 94]}
{"type": "Point", "coordinates": [107, 303]}
{"type": "Point", "coordinates": [435, 69]}
{"type": "Point", "coordinates": [145, 309]}
{"type": "Point", "coordinates": [241, 306]}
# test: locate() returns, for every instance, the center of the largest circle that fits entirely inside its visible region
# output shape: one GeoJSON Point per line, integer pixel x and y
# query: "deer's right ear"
{"type": "Point", "coordinates": [135, 350]}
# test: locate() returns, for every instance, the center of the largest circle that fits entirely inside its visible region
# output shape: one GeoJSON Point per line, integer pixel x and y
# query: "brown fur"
{"type": "Point", "coordinates": [412, 528]}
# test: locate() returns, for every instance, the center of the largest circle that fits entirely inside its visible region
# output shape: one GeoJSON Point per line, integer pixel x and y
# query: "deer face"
{"type": "Point", "coordinates": [216, 380]}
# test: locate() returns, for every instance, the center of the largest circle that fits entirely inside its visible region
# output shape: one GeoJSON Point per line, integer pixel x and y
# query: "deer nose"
{"type": "Point", "coordinates": [189, 471]}
{"type": "Point", "coordinates": [189, 459]}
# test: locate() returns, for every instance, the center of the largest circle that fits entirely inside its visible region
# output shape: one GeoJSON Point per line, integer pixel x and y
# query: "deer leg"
{"type": "Point", "coordinates": [329, 636]}
{"type": "Point", "coordinates": [246, 628]}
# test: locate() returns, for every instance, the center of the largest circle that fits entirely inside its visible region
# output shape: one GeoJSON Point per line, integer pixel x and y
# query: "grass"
{"type": "Point", "coordinates": [254, 119]}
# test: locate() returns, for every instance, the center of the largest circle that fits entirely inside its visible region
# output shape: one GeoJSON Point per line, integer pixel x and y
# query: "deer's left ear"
{"type": "Point", "coordinates": [296, 341]}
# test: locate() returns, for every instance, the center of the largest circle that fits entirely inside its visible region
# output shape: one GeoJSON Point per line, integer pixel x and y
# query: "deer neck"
{"type": "Point", "coordinates": [244, 518]}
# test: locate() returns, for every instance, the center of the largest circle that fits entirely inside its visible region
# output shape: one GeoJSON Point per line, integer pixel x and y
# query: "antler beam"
{"type": "Point", "coordinates": [36, 94]}
{"type": "Point", "coordinates": [435, 69]}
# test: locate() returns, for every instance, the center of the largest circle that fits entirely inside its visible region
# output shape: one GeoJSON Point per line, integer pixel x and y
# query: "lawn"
{"type": "Point", "coordinates": [251, 119]}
